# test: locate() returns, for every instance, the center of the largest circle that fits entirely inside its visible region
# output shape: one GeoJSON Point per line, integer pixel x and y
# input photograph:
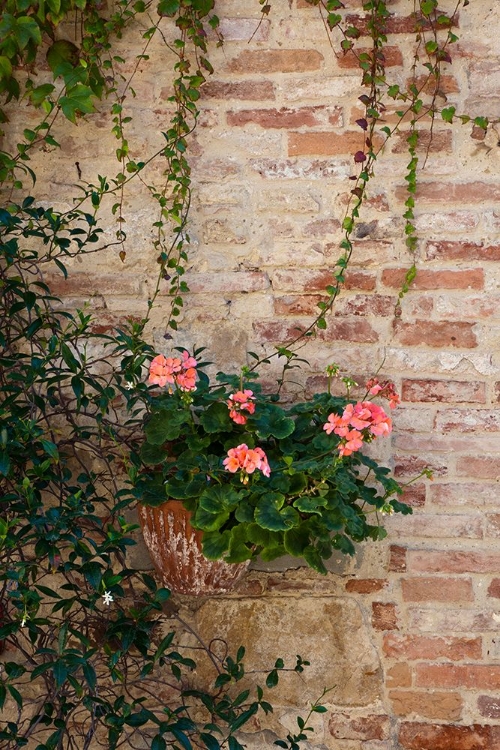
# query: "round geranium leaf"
{"type": "Point", "coordinates": [219, 498]}
{"type": "Point", "coordinates": [270, 513]}
{"type": "Point", "coordinates": [215, 545]}
{"type": "Point", "coordinates": [216, 419]}
{"type": "Point", "coordinates": [273, 421]}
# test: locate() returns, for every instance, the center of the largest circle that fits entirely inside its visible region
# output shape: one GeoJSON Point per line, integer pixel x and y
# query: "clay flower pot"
{"type": "Point", "coordinates": [175, 549]}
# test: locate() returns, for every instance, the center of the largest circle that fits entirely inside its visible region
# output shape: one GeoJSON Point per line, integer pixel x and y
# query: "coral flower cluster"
{"type": "Point", "coordinates": [179, 371]}
{"type": "Point", "coordinates": [385, 389]}
{"type": "Point", "coordinates": [239, 402]}
{"type": "Point", "coordinates": [359, 423]}
{"type": "Point", "coordinates": [247, 460]}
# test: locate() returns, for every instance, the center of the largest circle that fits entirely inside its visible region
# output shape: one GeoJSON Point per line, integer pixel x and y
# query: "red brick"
{"type": "Point", "coordinates": [297, 304]}
{"type": "Point", "coordinates": [468, 420]}
{"type": "Point", "coordinates": [384, 616]}
{"type": "Point", "coordinates": [244, 90]}
{"type": "Point", "coordinates": [415, 647]}
{"type": "Point", "coordinates": [464, 193]}
{"type": "Point", "coordinates": [436, 334]}
{"type": "Point", "coordinates": [445, 84]}
{"type": "Point", "coordinates": [394, 24]}
{"type": "Point", "coordinates": [276, 61]}
{"type": "Point", "coordinates": [325, 143]}
{"type": "Point", "coordinates": [494, 588]}
{"type": "Point", "coordinates": [279, 118]}
{"type": "Point", "coordinates": [444, 706]}
{"type": "Point", "coordinates": [411, 465]}
{"type": "Point", "coordinates": [437, 589]}
{"type": "Point", "coordinates": [365, 585]}
{"type": "Point", "coordinates": [397, 558]}
{"type": "Point", "coordinates": [462, 251]}
{"type": "Point", "coordinates": [475, 676]}
{"type": "Point", "coordinates": [391, 57]}
{"type": "Point", "coordinates": [414, 495]}
{"type": "Point", "coordinates": [440, 141]}
{"type": "Point", "coordinates": [489, 706]}
{"type": "Point", "coordinates": [429, 391]}
{"type": "Point", "coordinates": [399, 675]}
{"type": "Point", "coordinates": [451, 561]}
{"type": "Point", "coordinates": [344, 726]}
{"type": "Point", "coordinates": [309, 280]}
{"type": "Point", "coordinates": [419, 736]}
{"type": "Point", "coordinates": [427, 280]}
{"type": "Point", "coordinates": [455, 494]}
{"type": "Point", "coordinates": [485, 467]}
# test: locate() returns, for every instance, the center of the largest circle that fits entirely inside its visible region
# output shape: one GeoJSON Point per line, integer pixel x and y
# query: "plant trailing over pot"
{"type": "Point", "coordinates": [261, 478]}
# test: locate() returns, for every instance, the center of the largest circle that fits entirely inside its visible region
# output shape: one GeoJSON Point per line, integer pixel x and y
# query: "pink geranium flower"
{"type": "Point", "coordinates": [241, 401]}
{"type": "Point", "coordinates": [173, 370]}
{"type": "Point", "coordinates": [359, 422]}
{"type": "Point", "coordinates": [247, 460]}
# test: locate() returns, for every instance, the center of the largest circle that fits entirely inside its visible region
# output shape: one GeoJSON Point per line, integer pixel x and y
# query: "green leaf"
{"type": "Point", "coordinates": [271, 515]}
{"type": "Point", "coordinates": [296, 540]}
{"type": "Point", "coordinates": [220, 498]}
{"type": "Point", "coordinates": [272, 421]}
{"type": "Point", "coordinates": [25, 30]}
{"type": "Point", "coordinates": [215, 545]}
{"type": "Point", "coordinates": [62, 51]}
{"type": "Point", "coordinates": [207, 521]}
{"type": "Point", "coordinates": [447, 114]}
{"type": "Point", "coordinates": [216, 419]}
{"type": "Point", "coordinates": [168, 7]}
{"type": "Point", "coordinates": [153, 454]}
{"type": "Point", "coordinates": [78, 100]}
{"type": "Point", "coordinates": [165, 425]}
{"type": "Point", "coordinates": [158, 743]}
{"type": "Point", "coordinates": [5, 67]}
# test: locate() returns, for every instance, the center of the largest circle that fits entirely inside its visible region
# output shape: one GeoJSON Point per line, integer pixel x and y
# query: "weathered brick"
{"type": "Point", "coordinates": [485, 467]}
{"type": "Point", "coordinates": [282, 118]}
{"type": "Point", "coordinates": [395, 24]}
{"type": "Point", "coordinates": [397, 558]}
{"type": "Point", "coordinates": [437, 589]}
{"type": "Point", "coordinates": [463, 193]}
{"type": "Point", "coordinates": [244, 29]}
{"type": "Point", "coordinates": [489, 706]}
{"type": "Point", "coordinates": [493, 524]}
{"type": "Point", "coordinates": [441, 526]}
{"type": "Point", "coordinates": [436, 334]}
{"type": "Point", "coordinates": [391, 57]}
{"type": "Point", "coordinates": [449, 620]}
{"type": "Point", "coordinates": [468, 420]}
{"type": "Point", "coordinates": [452, 222]}
{"type": "Point", "coordinates": [276, 61]}
{"type": "Point", "coordinates": [321, 228]}
{"type": "Point", "coordinates": [293, 169]}
{"type": "Point", "coordinates": [494, 588]}
{"type": "Point", "coordinates": [316, 280]}
{"type": "Point", "coordinates": [414, 495]}
{"type": "Point", "coordinates": [417, 647]}
{"type": "Point", "coordinates": [452, 561]}
{"type": "Point", "coordinates": [473, 676]}
{"type": "Point", "coordinates": [245, 90]}
{"type": "Point", "coordinates": [84, 284]}
{"type": "Point", "coordinates": [384, 616]}
{"type": "Point", "coordinates": [469, 251]}
{"type": "Point", "coordinates": [448, 391]}
{"type": "Point", "coordinates": [411, 465]}
{"type": "Point", "coordinates": [420, 736]}
{"type": "Point", "coordinates": [455, 494]}
{"type": "Point", "coordinates": [444, 706]}
{"type": "Point", "coordinates": [440, 141]}
{"type": "Point", "coordinates": [346, 726]}
{"type": "Point", "coordinates": [226, 283]}
{"type": "Point", "coordinates": [365, 585]}
{"type": "Point", "coordinates": [325, 143]}
{"type": "Point", "coordinates": [472, 278]}
{"type": "Point", "coordinates": [399, 675]}
{"type": "Point", "coordinates": [446, 84]}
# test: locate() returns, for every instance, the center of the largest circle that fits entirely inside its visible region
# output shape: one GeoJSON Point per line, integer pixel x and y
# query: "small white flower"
{"type": "Point", "coordinates": [23, 622]}
{"type": "Point", "coordinates": [129, 386]}
{"type": "Point", "coordinates": [108, 598]}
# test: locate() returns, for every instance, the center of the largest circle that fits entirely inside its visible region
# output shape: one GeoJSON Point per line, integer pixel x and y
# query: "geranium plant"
{"type": "Point", "coordinates": [262, 478]}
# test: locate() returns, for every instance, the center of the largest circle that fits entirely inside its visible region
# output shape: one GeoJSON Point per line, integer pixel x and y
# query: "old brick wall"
{"type": "Point", "coordinates": [408, 631]}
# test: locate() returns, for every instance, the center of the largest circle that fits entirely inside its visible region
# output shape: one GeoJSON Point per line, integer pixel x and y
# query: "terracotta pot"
{"type": "Point", "coordinates": [175, 549]}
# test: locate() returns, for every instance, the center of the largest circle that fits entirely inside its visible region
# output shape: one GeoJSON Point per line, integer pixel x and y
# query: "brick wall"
{"type": "Point", "coordinates": [271, 164]}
